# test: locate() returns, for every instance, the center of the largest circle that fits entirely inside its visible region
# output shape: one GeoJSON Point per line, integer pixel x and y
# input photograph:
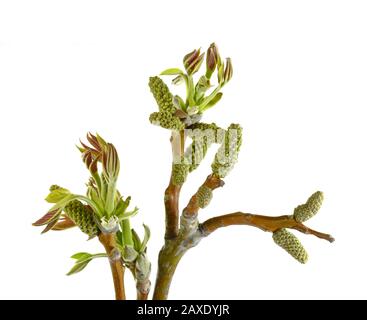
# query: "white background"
{"type": "Point", "coordinates": [299, 90]}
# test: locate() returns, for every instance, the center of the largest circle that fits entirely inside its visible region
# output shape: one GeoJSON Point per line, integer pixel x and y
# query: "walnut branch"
{"type": "Point", "coordinates": [172, 193]}
{"type": "Point", "coordinates": [108, 240]}
{"type": "Point", "coordinates": [264, 223]}
{"type": "Point", "coordinates": [171, 202]}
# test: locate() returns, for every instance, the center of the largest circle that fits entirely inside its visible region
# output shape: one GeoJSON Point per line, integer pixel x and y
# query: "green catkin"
{"type": "Point", "coordinates": [306, 211]}
{"type": "Point", "coordinates": [203, 136]}
{"type": "Point", "coordinates": [196, 152]}
{"type": "Point", "coordinates": [204, 196]}
{"type": "Point", "coordinates": [180, 172]}
{"type": "Point", "coordinates": [205, 126]}
{"type": "Point", "coordinates": [289, 242]}
{"type": "Point", "coordinates": [81, 215]}
{"type": "Point", "coordinates": [166, 120]}
{"type": "Point", "coordinates": [227, 155]}
{"type": "Point", "coordinates": [162, 94]}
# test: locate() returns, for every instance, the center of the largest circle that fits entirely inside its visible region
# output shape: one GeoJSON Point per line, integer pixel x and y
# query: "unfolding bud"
{"type": "Point", "coordinates": [142, 267]}
{"type": "Point", "coordinates": [212, 58]}
{"type": "Point", "coordinates": [289, 242]}
{"type": "Point", "coordinates": [192, 61]}
{"type": "Point", "coordinates": [228, 70]}
{"type": "Point", "coordinates": [96, 141]}
{"type": "Point", "coordinates": [110, 162]}
{"type": "Point", "coordinates": [203, 84]}
{"type": "Point", "coordinates": [201, 87]}
{"type": "Point", "coordinates": [179, 103]}
{"type": "Point", "coordinates": [129, 254]}
{"type": "Point", "coordinates": [111, 225]}
{"type": "Point", "coordinates": [190, 57]}
{"type": "Point", "coordinates": [220, 74]}
{"type": "Point", "coordinates": [192, 110]}
{"type": "Point", "coordinates": [92, 155]}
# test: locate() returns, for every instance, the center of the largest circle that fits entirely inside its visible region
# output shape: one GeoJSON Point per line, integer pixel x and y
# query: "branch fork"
{"type": "Point", "coordinates": [185, 233]}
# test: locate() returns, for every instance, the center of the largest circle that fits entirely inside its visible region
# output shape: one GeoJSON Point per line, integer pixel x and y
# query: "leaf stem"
{"type": "Point", "coordinates": [126, 232]}
{"type": "Point", "coordinates": [110, 198]}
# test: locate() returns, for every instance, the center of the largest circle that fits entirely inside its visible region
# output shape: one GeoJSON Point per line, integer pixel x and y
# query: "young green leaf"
{"type": "Point", "coordinates": [171, 72]}
{"type": "Point", "coordinates": [201, 87]}
{"type": "Point", "coordinates": [146, 238]}
{"type": "Point", "coordinates": [136, 239]}
{"type": "Point", "coordinates": [51, 224]}
{"type": "Point", "coordinates": [78, 267]}
{"type": "Point", "coordinates": [220, 74]}
{"type": "Point", "coordinates": [57, 195]}
{"type": "Point", "coordinates": [95, 207]}
{"type": "Point", "coordinates": [214, 101]}
{"type": "Point", "coordinates": [81, 256]}
{"type": "Point", "coordinates": [47, 218]}
{"type": "Point", "coordinates": [179, 103]}
{"type": "Point", "coordinates": [100, 140]}
{"type": "Point", "coordinates": [120, 239]}
{"type": "Point", "coordinates": [128, 214]}
{"type": "Point", "coordinates": [94, 196]}
{"type": "Point", "coordinates": [121, 206]}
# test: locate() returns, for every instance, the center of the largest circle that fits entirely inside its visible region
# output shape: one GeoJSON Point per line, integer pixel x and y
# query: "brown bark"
{"type": "Point", "coordinates": [169, 257]}
{"type": "Point", "coordinates": [172, 193]}
{"type": "Point", "coordinates": [171, 203]}
{"type": "Point", "coordinates": [167, 260]}
{"type": "Point", "coordinates": [264, 223]}
{"type": "Point", "coordinates": [117, 268]}
{"type": "Point", "coordinates": [141, 295]}
{"type": "Point", "coordinates": [142, 289]}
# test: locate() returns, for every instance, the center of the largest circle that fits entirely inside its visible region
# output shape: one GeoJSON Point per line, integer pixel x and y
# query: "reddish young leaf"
{"type": "Point", "coordinates": [63, 224]}
{"type": "Point", "coordinates": [47, 218]}
{"type": "Point", "coordinates": [93, 141]}
{"type": "Point", "coordinates": [50, 226]}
